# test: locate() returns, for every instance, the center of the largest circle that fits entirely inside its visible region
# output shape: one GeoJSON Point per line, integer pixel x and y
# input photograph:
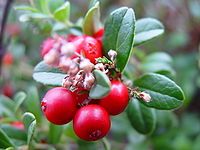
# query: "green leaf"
{"type": "Point", "coordinates": [6, 106]}
{"type": "Point", "coordinates": [13, 132]}
{"type": "Point", "coordinates": [91, 22]}
{"type": "Point", "coordinates": [63, 12]}
{"type": "Point", "coordinates": [37, 16]}
{"type": "Point", "coordinates": [44, 6]}
{"type": "Point", "coordinates": [26, 8]}
{"type": "Point", "coordinates": [33, 103]}
{"type": "Point", "coordinates": [19, 99]}
{"type": "Point", "coordinates": [102, 86]}
{"type": "Point", "coordinates": [5, 141]}
{"type": "Point", "coordinates": [158, 62]}
{"type": "Point", "coordinates": [165, 94]}
{"type": "Point", "coordinates": [142, 118]}
{"type": "Point", "coordinates": [119, 35]}
{"type": "Point", "coordinates": [55, 133]}
{"type": "Point", "coordinates": [48, 75]}
{"type": "Point", "coordinates": [147, 29]}
{"type": "Point", "coordinates": [30, 125]}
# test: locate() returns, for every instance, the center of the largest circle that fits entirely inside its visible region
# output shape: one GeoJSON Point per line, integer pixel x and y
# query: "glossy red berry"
{"type": "Point", "coordinates": [99, 35]}
{"type": "Point", "coordinates": [47, 45]}
{"type": "Point", "coordinates": [89, 47]}
{"type": "Point", "coordinates": [117, 100]}
{"type": "Point", "coordinates": [82, 96]}
{"type": "Point", "coordinates": [59, 105]}
{"type": "Point", "coordinates": [91, 122]}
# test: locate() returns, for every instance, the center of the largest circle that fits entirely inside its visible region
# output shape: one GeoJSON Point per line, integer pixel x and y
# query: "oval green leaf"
{"type": "Point", "coordinates": [13, 132]}
{"type": "Point", "coordinates": [63, 12]}
{"type": "Point", "coordinates": [32, 103]}
{"type": "Point", "coordinates": [101, 87]}
{"type": "Point", "coordinates": [165, 93]}
{"type": "Point", "coordinates": [48, 75]}
{"type": "Point", "coordinates": [55, 133]}
{"type": "Point", "coordinates": [91, 22]}
{"type": "Point", "coordinates": [30, 125]}
{"type": "Point", "coordinates": [119, 35]}
{"type": "Point", "coordinates": [147, 29]}
{"type": "Point", "coordinates": [19, 99]}
{"type": "Point", "coordinates": [5, 141]}
{"type": "Point", "coordinates": [142, 118]}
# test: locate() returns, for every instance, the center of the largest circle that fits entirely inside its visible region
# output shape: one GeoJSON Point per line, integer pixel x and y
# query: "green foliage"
{"type": "Point", "coordinates": [165, 94]}
{"type": "Point", "coordinates": [55, 133]}
{"type": "Point", "coordinates": [48, 75]}
{"type": "Point", "coordinates": [30, 125]}
{"type": "Point", "coordinates": [5, 142]}
{"type": "Point", "coordinates": [142, 118]}
{"type": "Point", "coordinates": [147, 29]}
{"type": "Point", "coordinates": [91, 22]}
{"type": "Point", "coordinates": [119, 35]}
{"type": "Point", "coordinates": [102, 86]}
{"type": "Point", "coordinates": [158, 62]}
{"type": "Point", "coordinates": [62, 13]}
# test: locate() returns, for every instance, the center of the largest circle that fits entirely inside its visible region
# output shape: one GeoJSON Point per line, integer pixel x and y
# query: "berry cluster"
{"type": "Point", "coordinates": [78, 56]}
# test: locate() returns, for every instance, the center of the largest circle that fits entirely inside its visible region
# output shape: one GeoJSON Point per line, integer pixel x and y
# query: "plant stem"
{"type": "Point", "coordinates": [2, 28]}
{"type": "Point", "coordinates": [106, 144]}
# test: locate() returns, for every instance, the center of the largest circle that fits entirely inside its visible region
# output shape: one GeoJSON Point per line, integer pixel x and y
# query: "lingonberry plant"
{"type": "Point", "coordinates": [90, 64]}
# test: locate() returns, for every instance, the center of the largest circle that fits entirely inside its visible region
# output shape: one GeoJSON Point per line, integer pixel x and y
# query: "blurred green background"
{"type": "Point", "coordinates": [177, 130]}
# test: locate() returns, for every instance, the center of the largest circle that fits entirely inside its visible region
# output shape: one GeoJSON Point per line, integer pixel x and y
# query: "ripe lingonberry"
{"type": "Point", "coordinates": [88, 46]}
{"type": "Point", "coordinates": [59, 105]}
{"type": "Point", "coordinates": [117, 99]}
{"type": "Point", "coordinates": [91, 122]}
{"type": "Point", "coordinates": [99, 35]}
{"type": "Point", "coordinates": [81, 95]}
{"type": "Point", "coordinates": [47, 45]}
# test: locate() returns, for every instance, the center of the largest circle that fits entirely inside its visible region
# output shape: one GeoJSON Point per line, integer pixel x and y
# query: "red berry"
{"type": "Point", "coordinates": [99, 35]}
{"type": "Point", "coordinates": [59, 105]}
{"type": "Point", "coordinates": [8, 59]}
{"type": "Point", "coordinates": [70, 37]}
{"type": "Point", "coordinates": [89, 47]}
{"type": "Point", "coordinates": [18, 125]}
{"type": "Point", "coordinates": [47, 45]}
{"type": "Point", "coordinates": [91, 122]}
{"type": "Point", "coordinates": [7, 90]}
{"type": "Point", "coordinates": [81, 95]}
{"type": "Point", "coordinates": [117, 100]}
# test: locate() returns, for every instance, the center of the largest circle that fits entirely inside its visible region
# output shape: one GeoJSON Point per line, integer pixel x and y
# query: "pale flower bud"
{"type": "Point", "coordinates": [88, 81]}
{"type": "Point", "coordinates": [66, 83]}
{"type": "Point", "coordinates": [52, 57]}
{"type": "Point", "coordinates": [100, 66]}
{"type": "Point", "coordinates": [73, 70]}
{"type": "Point", "coordinates": [112, 54]}
{"type": "Point", "coordinates": [86, 65]}
{"type": "Point", "coordinates": [65, 64]}
{"type": "Point", "coordinates": [68, 49]}
{"type": "Point", "coordinates": [144, 96]}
